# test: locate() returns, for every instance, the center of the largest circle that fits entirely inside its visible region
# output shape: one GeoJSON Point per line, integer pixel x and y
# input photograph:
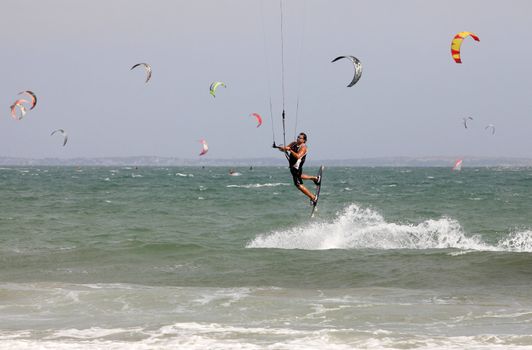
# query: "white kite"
{"type": "Point", "coordinates": [205, 147]}
{"type": "Point", "coordinates": [457, 165]}
{"type": "Point", "coordinates": [147, 67]}
{"type": "Point", "coordinates": [492, 127]}
{"type": "Point", "coordinates": [356, 64]}
{"type": "Point", "coordinates": [19, 104]}
{"type": "Point", "coordinates": [65, 135]}
{"type": "Point", "coordinates": [465, 121]}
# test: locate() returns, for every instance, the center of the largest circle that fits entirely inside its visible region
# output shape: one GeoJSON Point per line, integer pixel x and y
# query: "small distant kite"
{"type": "Point", "coordinates": [147, 67]}
{"type": "Point", "coordinates": [456, 44]}
{"type": "Point", "coordinates": [358, 68]}
{"type": "Point", "coordinates": [214, 86]}
{"type": "Point", "coordinates": [19, 104]}
{"type": "Point", "coordinates": [33, 97]}
{"type": "Point", "coordinates": [457, 165]}
{"type": "Point", "coordinates": [259, 118]}
{"type": "Point", "coordinates": [205, 147]}
{"type": "Point", "coordinates": [65, 135]}
{"type": "Point", "coordinates": [492, 127]}
{"type": "Point", "coordinates": [465, 121]}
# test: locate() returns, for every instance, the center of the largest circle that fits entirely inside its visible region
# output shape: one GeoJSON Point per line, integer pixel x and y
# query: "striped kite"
{"type": "Point", "coordinates": [457, 43]}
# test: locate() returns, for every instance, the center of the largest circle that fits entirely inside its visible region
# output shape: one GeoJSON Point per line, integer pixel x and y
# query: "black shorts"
{"type": "Point", "coordinates": [296, 175]}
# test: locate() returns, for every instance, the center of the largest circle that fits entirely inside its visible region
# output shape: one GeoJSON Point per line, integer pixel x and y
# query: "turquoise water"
{"type": "Point", "coordinates": [194, 258]}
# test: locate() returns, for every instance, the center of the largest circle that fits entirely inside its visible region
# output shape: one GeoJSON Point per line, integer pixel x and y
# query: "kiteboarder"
{"type": "Point", "coordinates": [297, 152]}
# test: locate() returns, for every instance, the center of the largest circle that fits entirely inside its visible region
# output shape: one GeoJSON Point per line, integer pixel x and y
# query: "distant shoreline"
{"type": "Point", "coordinates": [435, 161]}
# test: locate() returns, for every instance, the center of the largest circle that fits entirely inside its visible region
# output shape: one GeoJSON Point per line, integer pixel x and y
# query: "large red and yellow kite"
{"type": "Point", "coordinates": [457, 43]}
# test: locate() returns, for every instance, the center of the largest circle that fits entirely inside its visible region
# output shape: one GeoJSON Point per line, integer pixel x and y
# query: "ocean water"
{"type": "Point", "coordinates": [192, 258]}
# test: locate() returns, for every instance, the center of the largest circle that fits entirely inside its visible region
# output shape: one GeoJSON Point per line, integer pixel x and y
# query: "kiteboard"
{"type": "Point", "coordinates": [318, 188]}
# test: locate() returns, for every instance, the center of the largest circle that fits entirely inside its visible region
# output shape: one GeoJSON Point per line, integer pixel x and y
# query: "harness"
{"type": "Point", "coordinates": [293, 161]}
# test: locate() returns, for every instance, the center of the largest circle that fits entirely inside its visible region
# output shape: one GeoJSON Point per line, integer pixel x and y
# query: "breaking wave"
{"type": "Point", "coordinates": [364, 228]}
{"type": "Point", "coordinates": [258, 185]}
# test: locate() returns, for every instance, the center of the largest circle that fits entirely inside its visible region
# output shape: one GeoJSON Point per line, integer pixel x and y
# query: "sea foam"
{"type": "Point", "coordinates": [365, 228]}
{"type": "Point", "coordinates": [520, 241]}
{"type": "Point", "coordinates": [258, 185]}
{"type": "Point", "coordinates": [193, 335]}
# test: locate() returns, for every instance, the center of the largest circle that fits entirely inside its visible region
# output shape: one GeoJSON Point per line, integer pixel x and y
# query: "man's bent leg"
{"type": "Point", "coordinates": [309, 194]}
{"type": "Point", "coordinates": [309, 177]}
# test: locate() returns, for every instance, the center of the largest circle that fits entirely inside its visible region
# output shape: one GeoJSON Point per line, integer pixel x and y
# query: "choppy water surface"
{"type": "Point", "coordinates": [417, 258]}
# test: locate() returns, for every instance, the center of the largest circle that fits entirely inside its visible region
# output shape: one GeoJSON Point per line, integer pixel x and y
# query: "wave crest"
{"type": "Point", "coordinates": [517, 242]}
{"type": "Point", "coordinates": [364, 228]}
{"type": "Point", "coordinates": [258, 185]}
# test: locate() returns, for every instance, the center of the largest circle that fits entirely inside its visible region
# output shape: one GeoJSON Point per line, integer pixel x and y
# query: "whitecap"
{"type": "Point", "coordinates": [258, 185]}
{"type": "Point", "coordinates": [517, 242]}
{"type": "Point", "coordinates": [200, 336]}
{"type": "Point", "coordinates": [359, 228]}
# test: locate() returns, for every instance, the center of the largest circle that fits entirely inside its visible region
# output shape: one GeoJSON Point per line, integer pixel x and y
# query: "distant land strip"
{"type": "Point", "coordinates": [429, 161]}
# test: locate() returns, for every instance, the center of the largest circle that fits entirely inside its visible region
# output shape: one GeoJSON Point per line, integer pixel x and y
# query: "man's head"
{"type": "Point", "coordinates": [301, 138]}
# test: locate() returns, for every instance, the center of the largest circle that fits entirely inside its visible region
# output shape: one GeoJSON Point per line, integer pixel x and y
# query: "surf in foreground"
{"type": "Point", "coordinates": [193, 258]}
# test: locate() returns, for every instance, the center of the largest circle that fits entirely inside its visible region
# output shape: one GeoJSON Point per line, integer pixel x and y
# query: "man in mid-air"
{"type": "Point", "coordinates": [297, 153]}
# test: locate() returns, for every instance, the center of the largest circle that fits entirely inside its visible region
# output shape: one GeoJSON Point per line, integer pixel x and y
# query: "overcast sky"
{"type": "Point", "coordinates": [76, 56]}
